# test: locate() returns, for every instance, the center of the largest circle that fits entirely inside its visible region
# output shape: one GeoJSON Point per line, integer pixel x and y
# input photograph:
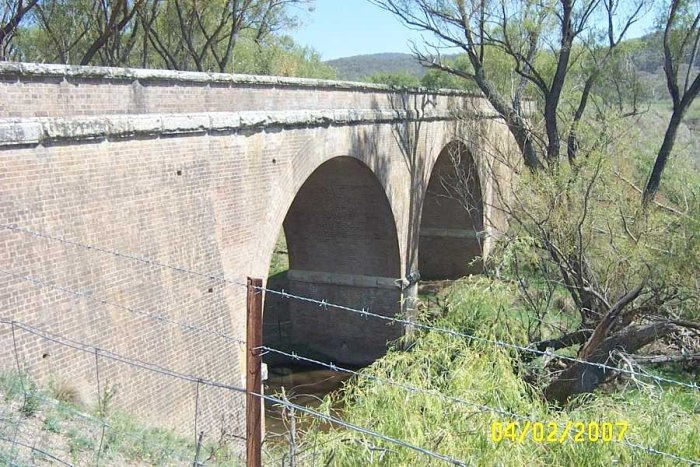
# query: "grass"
{"type": "Point", "coordinates": [79, 443]}
{"type": "Point", "coordinates": [280, 256]}
{"type": "Point", "coordinates": [667, 419]}
{"type": "Point", "coordinates": [64, 390]}
{"type": "Point", "coordinates": [71, 433]}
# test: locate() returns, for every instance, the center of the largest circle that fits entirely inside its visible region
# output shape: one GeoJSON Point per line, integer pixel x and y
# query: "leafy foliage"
{"type": "Point", "coordinates": [224, 36]}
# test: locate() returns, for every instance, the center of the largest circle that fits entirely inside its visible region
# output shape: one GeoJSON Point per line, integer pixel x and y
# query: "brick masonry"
{"type": "Point", "coordinates": [199, 171]}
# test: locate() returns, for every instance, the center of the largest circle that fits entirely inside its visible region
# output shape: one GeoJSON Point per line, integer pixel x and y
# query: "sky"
{"type": "Point", "coordinates": [342, 28]}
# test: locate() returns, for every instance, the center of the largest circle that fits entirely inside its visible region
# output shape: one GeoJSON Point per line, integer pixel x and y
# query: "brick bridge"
{"type": "Point", "coordinates": [203, 172]}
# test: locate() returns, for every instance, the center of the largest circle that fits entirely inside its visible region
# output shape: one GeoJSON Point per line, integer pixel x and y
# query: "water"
{"type": "Point", "coordinates": [303, 386]}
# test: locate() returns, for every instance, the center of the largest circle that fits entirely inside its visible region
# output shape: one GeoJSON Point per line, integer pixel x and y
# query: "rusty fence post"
{"type": "Point", "coordinates": [254, 373]}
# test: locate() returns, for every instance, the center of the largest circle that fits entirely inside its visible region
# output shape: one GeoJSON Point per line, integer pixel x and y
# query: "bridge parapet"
{"type": "Point", "coordinates": [42, 90]}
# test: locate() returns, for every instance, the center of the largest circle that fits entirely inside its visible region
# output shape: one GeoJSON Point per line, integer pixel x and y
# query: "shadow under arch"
{"type": "Point", "coordinates": [452, 217]}
{"type": "Point", "coordinates": [343, 247]}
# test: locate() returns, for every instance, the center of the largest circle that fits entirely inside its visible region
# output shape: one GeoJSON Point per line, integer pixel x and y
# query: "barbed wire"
{"type": "Point", "coordinates": [660, 453]}
{"type": "Point", "coordinates": [90, 349]}
{"type": "Point", "coordinates": [118, 254]}
{"type": "Point", "coordinates": [187, 326]}
{"type": "Point", "coordinates": [407, 387]}
{"type": "Point", "coordinates": [363, 312]}
{"type": "Point", "coordinates": [320, 303]}
{"type": "Point", "coordinates": [103, 353]}
{"type": "Point", "coordinates": [102, 423]}
{"type": "Point", "coordinates": [144, 365]}
{"type": "Point", "coordinates": [88, 296]}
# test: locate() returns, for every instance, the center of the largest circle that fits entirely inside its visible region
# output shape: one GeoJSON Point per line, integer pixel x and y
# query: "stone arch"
{"type": "Point", "coordinates": [452, 217]}
{"type": "Point", "coordinates": [343, 247]}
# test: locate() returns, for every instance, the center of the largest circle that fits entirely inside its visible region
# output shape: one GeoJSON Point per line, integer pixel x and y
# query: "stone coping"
{"type": "Point", "coordinates": [39, 70]}
{"type": "Point", "coordinates": [38, 130]}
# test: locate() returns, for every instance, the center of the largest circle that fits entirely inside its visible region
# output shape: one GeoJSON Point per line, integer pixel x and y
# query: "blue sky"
{"type": "Point", "coordinates": [341, 28]}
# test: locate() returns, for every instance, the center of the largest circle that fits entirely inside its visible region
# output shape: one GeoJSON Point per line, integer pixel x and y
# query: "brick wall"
{"type": "Point", "coordinates": [32, 90]}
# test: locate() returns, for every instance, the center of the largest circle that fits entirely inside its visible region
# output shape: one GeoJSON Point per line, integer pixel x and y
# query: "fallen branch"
{"type": "Point", "coordinates": [664, 358]}
{"type": "Point", "coordinates": [684, 323]}
{"type": "Point", "coordinates": [601, 331]}
{"type": "Point", "coordinates": [582, 377]}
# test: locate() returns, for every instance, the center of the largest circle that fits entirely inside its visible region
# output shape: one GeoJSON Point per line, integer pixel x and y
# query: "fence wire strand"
{"type": "Point", "coordinates": [446, 397]}
{"type": "Point", "coordinates": [90, 349]}
{"type": "Point", "coordinates": [88, 297]}
{"type": "Point", "coordinates": [362, 312]}
{"type": "Point", "coordinates": [359, 429]}
{"type": "Point", "coordinates": [36, 449]}
{"type": "Point", "coordinates": [451, 332]}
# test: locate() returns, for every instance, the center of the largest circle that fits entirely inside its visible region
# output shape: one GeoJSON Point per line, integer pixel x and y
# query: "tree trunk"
{"type": "Point", "coordinates": [515, 122]}
{"type": "Point", "coordinates": [661, 159]}
{"type": "Point", "coordinates": [582, 378]}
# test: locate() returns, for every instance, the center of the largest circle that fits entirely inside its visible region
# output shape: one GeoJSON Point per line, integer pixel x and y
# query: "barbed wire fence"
{"type": "Point", "coordinates": [24, 445]}
{"type": "Point", "coordinates": [325, 304]}
{"type": "Point", "coordinates": [32, 397]}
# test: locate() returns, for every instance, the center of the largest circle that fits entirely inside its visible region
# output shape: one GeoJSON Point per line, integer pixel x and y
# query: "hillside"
{"type": "Point", "coordinates": [645, 53]}
{"type": "Point", "coordinates": [360, 66]}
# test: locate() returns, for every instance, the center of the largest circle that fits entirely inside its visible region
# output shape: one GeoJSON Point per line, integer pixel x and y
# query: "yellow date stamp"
{"type": "Point", "coordinates": [552, 432]}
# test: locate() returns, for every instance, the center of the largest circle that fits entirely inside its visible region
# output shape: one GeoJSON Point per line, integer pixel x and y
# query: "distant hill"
{"type": "Point", "coordinates": [361, 66]}
{"type": "Point", "coordinates": [647, 58]}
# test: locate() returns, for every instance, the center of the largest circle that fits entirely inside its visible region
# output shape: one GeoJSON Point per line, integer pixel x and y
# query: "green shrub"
{"type": "Point", "coordinates": [52, 424]}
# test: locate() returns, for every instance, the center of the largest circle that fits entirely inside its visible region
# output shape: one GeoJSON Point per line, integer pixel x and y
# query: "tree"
{"type": "Point", "coordinates": [85, 32]}
{"type": "Point", "coordinates": [681, 39]}
{"type": "Point", "coordinates": [175, 34]}
{"type": "Point", "coordinates": [546, 44]}
{"type": "Point", "coordinates": [202, 35]}
{"type": "Point", "coordinates": [581, 232]}
{"type": "Point", "coordinates": [111, 19]}
{"type": "Point", "coordinates": [12, 12]}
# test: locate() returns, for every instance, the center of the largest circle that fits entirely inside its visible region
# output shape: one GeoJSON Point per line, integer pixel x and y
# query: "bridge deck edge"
{"type": "Point", "coordinates": [38, 70]}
